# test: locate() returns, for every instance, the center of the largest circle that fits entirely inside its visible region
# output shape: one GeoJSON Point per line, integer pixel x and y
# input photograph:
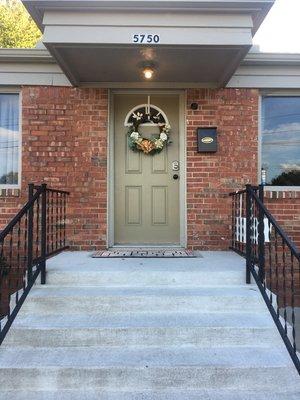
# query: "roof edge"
{"type": "Point", "coordinates": [259, 8]}
{"type": "Point", "coordinates": [26, 55]}
{"type": "Point", "coordinates": [259, 58]}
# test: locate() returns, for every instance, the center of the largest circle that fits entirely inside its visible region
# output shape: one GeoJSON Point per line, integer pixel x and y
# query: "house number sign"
{"type": "Point", "coordinates": [145, 38]}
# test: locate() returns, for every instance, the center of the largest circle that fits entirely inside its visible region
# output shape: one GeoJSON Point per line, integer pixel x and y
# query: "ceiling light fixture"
{"type": "Point", "coordinates": [148, 73]}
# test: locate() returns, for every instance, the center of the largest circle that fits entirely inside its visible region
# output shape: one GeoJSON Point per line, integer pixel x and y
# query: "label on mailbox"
{"type": "Point", "coordinates": [207, 140]}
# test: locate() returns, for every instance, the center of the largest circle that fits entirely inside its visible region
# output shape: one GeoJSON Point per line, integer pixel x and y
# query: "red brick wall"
{"type": "Point", "coordinates": [210, 177]}
{"type": "Point", "coordinates": [9, 204]}
{"type": "Point", "coordinates": [285, 206]}
{"type": "Point", "coordinates": [65, 145]}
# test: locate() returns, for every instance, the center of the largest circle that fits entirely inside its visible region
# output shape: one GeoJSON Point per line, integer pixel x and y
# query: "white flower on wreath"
{"type": "Point", "coordinates": [163, 136]}
{"type": "Point", "coordinates": [166, 128]}
{"type": "Point", "coordinates": [138, 116]}
{"type": "Point", "coordinates": [159, 144]}
{"type": "Point", "coordinates": [135, 136]}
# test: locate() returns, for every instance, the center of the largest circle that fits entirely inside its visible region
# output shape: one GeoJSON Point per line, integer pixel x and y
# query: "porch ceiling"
{"type": "Point", "coordinates": [104, 65]}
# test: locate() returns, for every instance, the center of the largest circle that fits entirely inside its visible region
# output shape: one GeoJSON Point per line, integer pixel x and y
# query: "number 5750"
{"type": "Point", "coordinates": [146, 38]}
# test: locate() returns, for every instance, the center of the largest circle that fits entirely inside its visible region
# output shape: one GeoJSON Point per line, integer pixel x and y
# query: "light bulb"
{"type": "Point", "coordinates": [148, 73]}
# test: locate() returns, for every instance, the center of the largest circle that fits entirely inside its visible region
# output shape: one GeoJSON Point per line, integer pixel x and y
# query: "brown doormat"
{"type": "Point", "coordinates": [143, 253]}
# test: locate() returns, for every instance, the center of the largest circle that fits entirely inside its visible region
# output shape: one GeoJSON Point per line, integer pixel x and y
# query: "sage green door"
{"type": "Point", "coordinates": [146, 189]}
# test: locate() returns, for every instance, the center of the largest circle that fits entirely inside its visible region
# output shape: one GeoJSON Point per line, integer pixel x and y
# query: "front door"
{"type": "Point", "coordinates": [146, 186]}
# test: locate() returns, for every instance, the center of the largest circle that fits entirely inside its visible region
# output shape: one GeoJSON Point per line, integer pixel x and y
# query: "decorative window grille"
{"type": "Point", "coordinates": [152, 115]}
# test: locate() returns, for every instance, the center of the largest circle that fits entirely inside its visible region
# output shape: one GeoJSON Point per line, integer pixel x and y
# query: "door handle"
{"type": "Point", "coordinates": [175, 177]}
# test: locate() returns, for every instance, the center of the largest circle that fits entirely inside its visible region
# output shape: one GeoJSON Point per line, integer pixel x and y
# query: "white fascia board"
{"type": "Point", "coordinates": [262, 59]}
{"type": "Point", "coordinates": [141, 18]}
{"type": "Point", "coordinates": [68, 35]}
{"type": "Point", "coordinates": [264, 82]}
{"type": "Point", "coordinates": [268, 71]}
{"type": "Point", "coordinates": [32, 79]}
{"type": "Point", "coordinates": [258, 8]}
{"type": "Point", "coordinates": [26, 55]}
{"type": "Point", "coordinates": [30, 67]}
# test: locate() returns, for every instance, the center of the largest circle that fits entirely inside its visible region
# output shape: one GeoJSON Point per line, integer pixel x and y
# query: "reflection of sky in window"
{"type": "Point", "coordinates": [280, 135]}
{"type": "Point", "coordinates": [9, 138]}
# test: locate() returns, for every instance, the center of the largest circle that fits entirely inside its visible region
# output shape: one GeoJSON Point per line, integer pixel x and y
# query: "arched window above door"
{"type": "Point", "coordinates": [150, 114]}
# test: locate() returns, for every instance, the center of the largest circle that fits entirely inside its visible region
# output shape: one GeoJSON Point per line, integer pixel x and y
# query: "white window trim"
{"type": "Point", "coordinates": [18, 91]}
{"type": "Point", "coordinates": [273, 93]}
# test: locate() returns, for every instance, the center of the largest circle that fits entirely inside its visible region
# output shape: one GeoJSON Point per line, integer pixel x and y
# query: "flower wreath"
{"type": "Point", "coordinates": [148, 146]}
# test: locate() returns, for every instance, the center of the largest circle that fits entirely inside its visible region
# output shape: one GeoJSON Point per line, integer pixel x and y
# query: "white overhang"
{"type": "Point", "coordinates": [30, 67]}
{"type": "Point", "coordinates": [201, 42]}
{"type": "Point", "coordinates": [268, 71]}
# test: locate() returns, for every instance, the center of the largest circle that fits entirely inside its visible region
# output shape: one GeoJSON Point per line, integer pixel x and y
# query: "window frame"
{"type": "Point", "coordinates": [17, 91]}
{"type": "Point", "coordinates": [272, 93]}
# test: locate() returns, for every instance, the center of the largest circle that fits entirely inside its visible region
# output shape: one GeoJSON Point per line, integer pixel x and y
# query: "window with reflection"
{"type": "Point", "coordinates": [9, 140]}
{"type": "Point", "coordinates": [280, 156]}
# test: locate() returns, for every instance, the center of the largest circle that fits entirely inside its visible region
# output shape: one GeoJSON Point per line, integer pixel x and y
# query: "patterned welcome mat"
{"type": "Point", "coordinates": [144, 253]}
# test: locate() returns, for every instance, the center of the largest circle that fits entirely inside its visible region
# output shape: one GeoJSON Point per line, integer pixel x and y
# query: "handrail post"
{"type": "Point", "coordinates": [43, 234]}
{"type": "Point", "coordinates": [30, 233]}
{"type": "Point", "coordinates": [261, 237]}
{"type": "Point", "coordinates": [248, 234]}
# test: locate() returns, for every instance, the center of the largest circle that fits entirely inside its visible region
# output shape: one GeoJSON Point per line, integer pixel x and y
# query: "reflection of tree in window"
{"type": "Point", "coordinates": [9, 179]}
{"type": "Point", "coordinates": [291, 178]}
{"type": "Point", "coordinates": [281, 138]}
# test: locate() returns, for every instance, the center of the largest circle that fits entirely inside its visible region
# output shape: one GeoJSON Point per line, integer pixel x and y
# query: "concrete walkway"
{"type": "Point", "coordinates": [145, 329]}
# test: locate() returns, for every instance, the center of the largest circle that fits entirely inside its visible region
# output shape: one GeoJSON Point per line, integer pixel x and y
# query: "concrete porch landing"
{"type": "Point", "coordinates": [146, 329]}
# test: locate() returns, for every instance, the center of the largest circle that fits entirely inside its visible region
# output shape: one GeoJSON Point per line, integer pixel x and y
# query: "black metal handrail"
{"type": "Point", "coordinates": [37, 232]}
{"type": "Point", "coordinates": [272, 260]}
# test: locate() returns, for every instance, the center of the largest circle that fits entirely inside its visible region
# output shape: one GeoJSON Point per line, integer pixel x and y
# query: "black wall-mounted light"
{"type": "Point", "coordinates": [194, 106]}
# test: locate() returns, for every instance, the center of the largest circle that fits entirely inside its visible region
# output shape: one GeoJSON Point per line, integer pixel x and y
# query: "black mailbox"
{"type": "Point", "coordinates": [207, 140]}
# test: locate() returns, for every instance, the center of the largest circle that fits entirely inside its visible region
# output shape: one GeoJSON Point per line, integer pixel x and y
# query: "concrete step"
{"type": "Point", "coordinates": [71, 300]}
{"type": "Point", "coordinates": [150, 395]}
{"type": "Point", "coordinates": [198, 394]}
{"type": "Point", "coordinates": [151, 329]}
{"type": "Point", "coordinates": [135, 320]}
{"type": "Point", "coordinates": [182, 329]}
{"type": "Point", "coordinates": [68, 270]}
{"type": "Point", "coordinates": [144, 278]}
{"type": "Point", "coordinates": [154, 336]}
{"type": "Point", "coordinates": [145, 369]}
